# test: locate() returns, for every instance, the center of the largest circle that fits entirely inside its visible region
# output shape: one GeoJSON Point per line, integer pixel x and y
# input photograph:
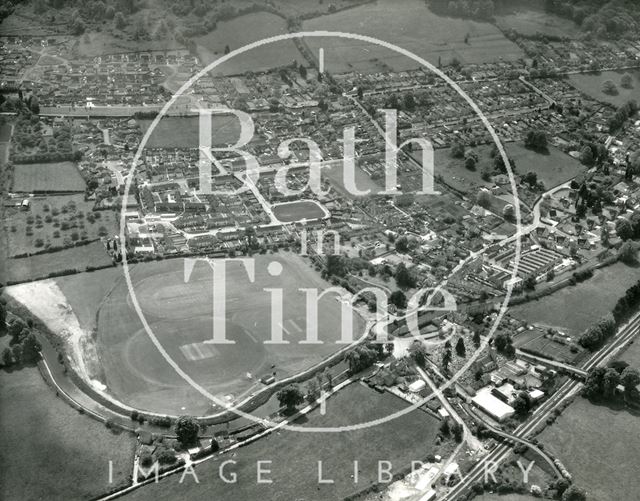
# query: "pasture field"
{"type": "Point", "coordinates": [415, 28]}
{"type": "Point", "coordinates": [580, 436]}
{"type": "Point", "coordinates": [574, 308]}
{"type": "Point", "coordinates": [55, 221]}
{"type": "Point", "coordinates": [52, 451]}
{"type": "Point", "coordinates": [183, 132]}
{"type": "Point", "coordinates": [295, 211]}
{"type": "Point", "coordinates": [241, 31]}
{"type": "Point", "coordinates": [39, 266]}
{"type": "Point", "coordinates": [553, 168]}
{"type": "Point", "coordinates": [295, 455]}
{"type": "Point", "coordinates": [180, 315]}
{"type": "Point", "coordinates": [591, 84]}
{"type": "Point", "coordinates": [49, 177]}
{"type": "Point", "coordinates": [530, 22]}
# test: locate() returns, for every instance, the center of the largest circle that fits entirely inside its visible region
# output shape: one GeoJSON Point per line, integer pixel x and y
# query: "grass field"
{"type": "Point", "coordinates": [505, 497]}
{"type": "Point", "coordinates": [51, 177]}
{"type": "Point", "coordinates": [574, 308]}
{"type": "Point", "coordinates": [591, 84]}
{"type": "Point", "coordinates": [39, 266]}
{"type": "Point", "coordinates": [55, 221]}
{"type": "Point", "coordinates": [241, 31]}
{"type": "Point", "coordinates": [531, 22]}
{"type": "Point", "coordinates": [295, 455]}
{"type": "Point", "coordinates": [183, 132]}
{"type": "Point", "coordinates": [49, 450]}
{"type": "Point", "coordinates": [553, 168]}
{"type": "Point", "coordinates": [599, 447]}
{"type": "Point", "coordinates": [414, 27]}
{"type": "Point", "coordinates": [295, 211]}
{"type": "Point", "coordinates": [180, 316]}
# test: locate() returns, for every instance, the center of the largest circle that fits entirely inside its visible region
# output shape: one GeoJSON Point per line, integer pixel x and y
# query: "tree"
{"type": "Point", "coordinates": [470, 160]}
{"type": "Point", "coordinates": [626, 81]}
{"type": "Point", "coordinates": [3, 316]}
{"type": "Point", "coordinates": [628, 253]}
{"type": "Point", "coordinates": [476, 338]}
{"type": "Point", "coordinates": [30, 348]}
{"type": "Point", "coordinates": [608, 87]}
{"type": "Point", "coordinates": [457, 150]}
{"type": "Point", "coordinates": [624, 228]}
{"type": "Point", "coordinates": [418, 352]}
{"type": "Point", "coordinates": [522, 403]}
{"type": "Point", "coordinates": [484, 199]}
{"type": "Point", "coordinates": [446, 360]}
{"type": "Point", "coordinates": [16, 351]}
{"type": "Point", "coordinates": [290, 397]}
{"type": "Point", "coordinates": [404, 278]}
{"type": "Point", "coordinates": [402, 244]}
{"type": "Point", "coordinates": [501, 341]}
{"type": "Point", "coordinates": [313, 391]}
{"type": "Point", "coordinates": [461, 351]}
{"type": "Point", "coordinates": [574, 493]}
{"type": "Point", "coordinates": [458, 431]}
{"type": "Point", "coordinates": [187, 429]}
{"type": "Point", "coordinates": [508, 212]}
{"type": "Point", "coordinates": [630, 378]}
{"type": "Point", "coordinates": [119, 21]}
{"type": "Point", "coordinates": [7, 357]}
{"type": "Point", "coordinates": [610, 380]}
{"type": "Point", "coordinates": [586, 155]}
{"type": "Point", "coordinates": [398, 299]}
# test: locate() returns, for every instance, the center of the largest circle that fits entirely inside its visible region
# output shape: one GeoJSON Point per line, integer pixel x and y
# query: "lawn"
{"type": "Point", "coordinates": [295, 455]}
{"type": "Point", "coordinates": [531, 22]}
{"type": "Point", "coordinates": [49, 177]}
{"type": "Point", "coordinates": [574, 308]}
{"type": "Point", "coordinates": [39, 266]}
{"type": "Point", "coordinates": [295, 211]}
{"type": "Point", "coordinates": [599, 447]}
{"type": "Point", "coordinates": [183, 132]}
{"type": "Point", "coordinates": [49, 450]}
{"type": "Point", "coordinates": [55, 221]}
{"type": "Point", "coordinates": [591, 84]}
{"type": "Point", "coordinates": [241, 31]}
{"type": "Point", "coordinates": [180, 316]}
{"type": "Point", "coordinates": [415, 28]}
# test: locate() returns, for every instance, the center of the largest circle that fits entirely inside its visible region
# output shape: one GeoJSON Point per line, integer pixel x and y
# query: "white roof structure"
{"type": "Point", "coordinates": [492, 405]}
{"type": "Point", "coordinates": [417, 385]}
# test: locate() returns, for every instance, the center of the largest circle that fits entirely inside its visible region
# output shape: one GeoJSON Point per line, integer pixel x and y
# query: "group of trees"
{"type": "Point", "coordinates": [365, 355]}
{"type": "Point", "coordinates": [450, 427]}
{"type": "Point", "coordinates": [24, 346]}
{"type": "Point", "coordinates": [536, 140]}
{"type": "Point", "coordinates": [504, 344]}
{"type": "Point", "coordinates": [622, 114]}
{"type": "Point", "coordinates": [601, 382]}
{"type": "Point", "coordinates": [476, 9]}
{"type": "Point", "coordinates": [602, 19]}
{"type": "Point", "coordinates": [628, 228]}
{"type": "Point", "coordinates": [595, 335]}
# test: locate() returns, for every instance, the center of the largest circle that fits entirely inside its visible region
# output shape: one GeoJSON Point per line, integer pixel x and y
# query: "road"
{"type": "Point", "coordinates": [625, 334]}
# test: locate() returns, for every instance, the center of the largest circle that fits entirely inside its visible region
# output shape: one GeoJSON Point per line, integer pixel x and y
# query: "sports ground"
{"type": "Point", "coordinates": [180, 316]}
{"type": "Point", "coordinates": [297, 211]}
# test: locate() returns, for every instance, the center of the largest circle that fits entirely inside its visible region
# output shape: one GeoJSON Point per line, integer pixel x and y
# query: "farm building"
{"type": "Point", "coordinates": [492, 405]}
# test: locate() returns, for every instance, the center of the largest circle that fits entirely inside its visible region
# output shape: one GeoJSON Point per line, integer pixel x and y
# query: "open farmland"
{"type": "Point", "coordinates": [531, 22]}
{"type": "Point", "coordinates": [49, 177]}
{"type": "Point", "coordinates": [599, 447]}
{"type": "Point", "coordinates": [591, 84]}
{"type": "Point", "coordinates": [183, 132]}
{"type": "Point", "coordinates": [574, 308]}
{"type": "Point", "coordinates": [241, 31]}
{"type": "Point", "coordinates": [41, 265]}
{"type": "Point", "coordinates": [415, 28]}
{"type": "Point", "coordinates": [52, 451]}
{"type": "Point", "coordinates": [295, 455]}
{"type": "Point", "coordinates": [180, 315]}
{"type": "Point", "coordinates": [55, 221]}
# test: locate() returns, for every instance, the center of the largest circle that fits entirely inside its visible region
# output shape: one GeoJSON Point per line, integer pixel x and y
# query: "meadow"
{"type": "Point", "coordinates": [591, 85]}
{"type": "Point", "coordinates": [183, 132]}
{"type": "Point", "coordinates": [241, 31]}
{"type": "Point", "coordinates": [553, 167]}
{"type": "Point", "coordinates": [574, 308]}
{"type": "Point", "coordinates": [52, 451]}
{"type": "Point", "coordinates": [41, 265]}
{"type": "Point", "coordinates": [295, 455]}
{"type": "Point", "coordinates": [180, 315]}
{"type": "Point", "coordinates": [48, 177]}
{"type": "Point", "coordinates": [531, 22]}
{"type": "Point", "coordinates": [415, 28]}
{"type": "Point", "coordinates": [580, 436]}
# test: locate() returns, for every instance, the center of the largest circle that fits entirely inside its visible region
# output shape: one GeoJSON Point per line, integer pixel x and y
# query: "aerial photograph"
{"type": "Point", "coordinates": [319, 250]}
